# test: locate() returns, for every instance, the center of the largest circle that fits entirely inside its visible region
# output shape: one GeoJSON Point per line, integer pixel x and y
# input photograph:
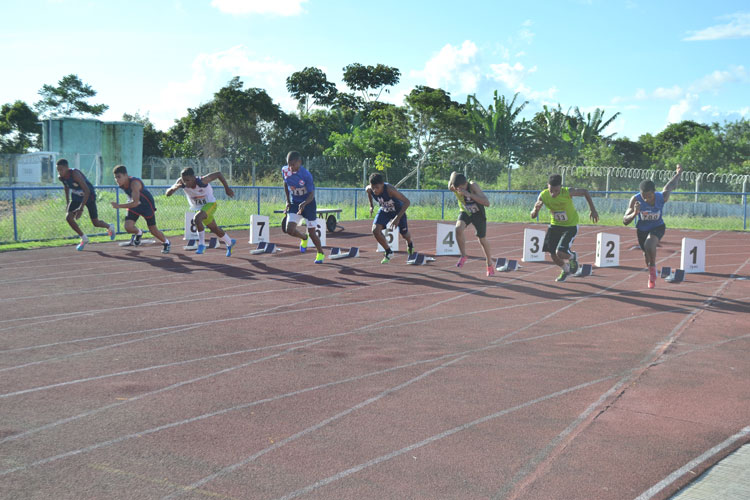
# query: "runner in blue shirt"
{"type": "Point", "coordinates": [392, 213]}
{"type": "Point", "coordinates": [298, 183]}
{"type": "Point", "coordinates": [647, 206]}
{"type": "Point", "coordinates": [79, 193]}
{"type": "Point", "coordinates": [140, 204]}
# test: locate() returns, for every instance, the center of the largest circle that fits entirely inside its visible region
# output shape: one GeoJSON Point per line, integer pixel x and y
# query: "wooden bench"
{"type": "Point", "coordinates": [321, 213]}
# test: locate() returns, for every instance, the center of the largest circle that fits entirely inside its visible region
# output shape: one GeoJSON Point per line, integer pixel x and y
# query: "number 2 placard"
{"type": "Point", "coordinates": [446, 243]}
{"type": "Point", "coordinates": [693, 259]}
{"type": "Point", "coordinates": [607, 250]}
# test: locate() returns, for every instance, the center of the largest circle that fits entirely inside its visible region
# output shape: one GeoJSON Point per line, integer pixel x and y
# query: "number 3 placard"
{"type": "Point", "coordinates": [607, 250]}
{"type": "Point", "coordinates": [693, 259]}
{"type": "Point", "coordinates": [533, 242]}
{"type": "Point", "coordinates": [446, 243]}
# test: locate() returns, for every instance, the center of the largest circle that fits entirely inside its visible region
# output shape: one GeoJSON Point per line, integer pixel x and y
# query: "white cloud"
{"type": "Point", "coordinates": [244, 7]}
{"type": "Point", "coordinates": [674, 92]}
{"type": "Point", "coordinates": [511, 76]}
{"type": "Point", "coordinates": [717, 79]}
{"type": "Point", "coordinates": [453, 68]}
{"type": "Point", "coordinates": [678, 111]}
{"type": "Point", "coordinates": [210, 72]}
{"type": "Point", "coordinates": [737, 27]}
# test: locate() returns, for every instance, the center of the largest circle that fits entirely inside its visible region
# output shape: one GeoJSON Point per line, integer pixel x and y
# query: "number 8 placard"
{"type": "Point", "coordinates": [446, 243]}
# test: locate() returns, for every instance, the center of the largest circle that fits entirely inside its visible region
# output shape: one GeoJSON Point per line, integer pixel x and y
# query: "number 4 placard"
{"type": "Point", "coordinates": [446, 243]}
{"type": "Point", "coordinates": [693, 259]}
{"type": "Point", "coordinates": [259, 229]}
{"type": "Point", "coordinates": [607, 250]}
{"type": "Point", "coordinates": [392, 238]}
{"type": "Point", "coordinates": [533, 242]}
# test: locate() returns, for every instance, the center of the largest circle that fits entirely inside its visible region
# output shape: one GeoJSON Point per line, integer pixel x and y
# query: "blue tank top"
{"type": "Point", "coordinates": [650, 215]}
{"type": "Point", "coordinates": [386, 201]}
{"type": "Point", "coordinates": [145, 195]}
{"type": "Point", "coordinates": [75, 188]}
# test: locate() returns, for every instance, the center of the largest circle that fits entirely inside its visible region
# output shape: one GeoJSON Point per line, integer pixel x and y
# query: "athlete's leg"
{"type": "Point", "coordinates": [649, 249]}
{"type": "Point", "coordinates": [157, 234]}
{"type": "Point", "coordinates": [130, 226]}
{"type": "Point", "coordinates": [377, 231]}
{"type": "Point", "coordinates": [214, 227]}
{"type": "Point", "coordinates": [486, 249]}
{"type": "Point", "coordinates": [313, 233]}
{"type": "Point", "coordinates": [460, 237]}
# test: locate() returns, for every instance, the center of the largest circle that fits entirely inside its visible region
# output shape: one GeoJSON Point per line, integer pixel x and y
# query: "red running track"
{"type": "Point", "coordinates": [128, 374]}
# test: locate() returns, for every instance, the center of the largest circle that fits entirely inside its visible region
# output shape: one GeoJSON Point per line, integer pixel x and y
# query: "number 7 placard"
{"type": "Point", "coordinates": [259, 229]}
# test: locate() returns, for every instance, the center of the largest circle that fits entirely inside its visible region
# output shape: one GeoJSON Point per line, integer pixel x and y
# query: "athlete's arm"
{"type": "Point", "coordinates": [404, 204]}
{"type": "Point", "coordinates": [633, 208]}
{"type": "Point", "coordinates": [537, 207]}
{"type": "Point", "coordinates": [585, 193]}
{"type": "Point", "coordinates": [478, 195]}
{"type": "Point", "coordinates": [177, 185]}
{"type": "Point", "coordinates": [84, 187]}
{"type": "Point", "coordinates": [67, 195]}
{"type": "Point", "coordinates": [136, 196]}
{"type": "Point", "coordinates": [672, 184]}
{"type": "Point", "coordinates": [368, 190]}
{"type": "Point", "coordinates": [288, 201]}
{"type": "Point", "coordinates": [218, 175]}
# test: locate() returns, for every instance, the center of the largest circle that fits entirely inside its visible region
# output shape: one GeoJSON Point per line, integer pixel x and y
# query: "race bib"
{"type": "Point", "coordinates": [199, 201]}
{"type": "Point", "coordinates": [473, 208]}
{"type": "Point", "coordinates": [298, 191]}
{"type": "Point", "coordinates": [650, 216]}
{"type": "Point", "coordinates": [560, 216]}
{"type": "Point", "coordinates": [388, 206]}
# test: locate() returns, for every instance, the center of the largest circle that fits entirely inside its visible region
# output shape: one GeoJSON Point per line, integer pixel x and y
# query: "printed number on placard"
{"type": "Point", "coordinates": [694, 253]}
{"type": "Point", "coordinates": [262, 225]}
{"type": "Point", "coordinates": [535, 243]}
{"type": "Point", "coordinates": [448, 240]}
{"type": "Point", "coordinates": [193, 229]}
{"type": "Point", "coordinates": [389, 236]}
{"type": "Point", "coordinates": [611, 252]}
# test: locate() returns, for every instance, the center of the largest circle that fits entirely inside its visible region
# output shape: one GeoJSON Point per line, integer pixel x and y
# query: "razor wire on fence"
{"type": "Point", "coordinates": [38, 213]}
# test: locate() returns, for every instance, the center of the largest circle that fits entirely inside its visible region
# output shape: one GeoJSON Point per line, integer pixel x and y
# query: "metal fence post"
{"type": "Point", "coordinates": [697, 186]}
{"type": "Point", "coordinates": [442, 207]}
{"type": "Point", "coordinates": [15, 222]}
{"type": "Point", "coordinates": [744, 203]}
{"type": "Point", "coordinates": [117, 199]}
{"type": "Point", "coordinates": [258, 194]}
{"type": "Point", "coordinates": [356, 198]}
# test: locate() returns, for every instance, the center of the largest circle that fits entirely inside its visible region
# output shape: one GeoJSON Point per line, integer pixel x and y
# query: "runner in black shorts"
{"type": "Point", "coordinates": [472, 201]}
{"type": "Point", "coordinates": [79, 192]}
{"type": "Point", "coordinates": [140, 204]}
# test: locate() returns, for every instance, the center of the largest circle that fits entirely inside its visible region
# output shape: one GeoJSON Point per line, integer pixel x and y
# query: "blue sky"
{"type": "Point", "coordinates": [654, 62]}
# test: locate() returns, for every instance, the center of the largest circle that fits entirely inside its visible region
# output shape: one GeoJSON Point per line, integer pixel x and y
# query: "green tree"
{"type": "Point", "coordinates": [735, 137]}
{"type": "Point", "coordinates": [68, 98]}
{"type": "Point", "coordinates": [370, 81]}
{"type": "Point", "coordinates": [311, 85]}
{"type": "Point", "coordinates": [19, 128]}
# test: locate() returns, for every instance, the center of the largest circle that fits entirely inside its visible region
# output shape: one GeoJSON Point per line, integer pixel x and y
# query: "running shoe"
{"type": "Point", "coordinates": [573, 262]}
{"type": "Point", "coordinates": [137, 239]}
{"type": "Point", "coordinates": [166, 246]}
{"type": "Point", "coordinates": [84, 240]}
{"type": "Point", "coordinates": [410, 248]}
{"type": "Point", "coordinates": [563, 276]}
{"type": "Point", "coordinates": [490, 271]}
{"type": "Point", "coordinates": [461, 262]}
{"type": "Point", "coordinates": [229, 248]}
{"type": "Point", "coordinates": [201, 249]}
{"type": "Point", "coordinates": [319, 258]}
{"type": "Point", "coordinates": [387, 258]}
{"type": "Point", "coordinates": [111, 231]}
{"type": "Point", "coordinates": [652, 277]}
{"type": "Point", "coordinates": [303, 244]}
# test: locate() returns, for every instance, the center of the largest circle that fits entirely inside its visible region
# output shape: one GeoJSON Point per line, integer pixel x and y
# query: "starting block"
{"type": "Point", "coordinates": [265, 247]}
{"type": "Point", "coordinates": [503, 264]}
{"type": "Point", "coordinates": [338, 253]}
{"type": "Point", "coordinates": [676, 276]}
{"type": "Point", "coordinates": [583, 271]}
{"type": "Point", "coordinates": [131, 242]}
{"type": "Point", "coordinates": [419, 259]}
{"type": "Point", "coordinates": [192, 244]}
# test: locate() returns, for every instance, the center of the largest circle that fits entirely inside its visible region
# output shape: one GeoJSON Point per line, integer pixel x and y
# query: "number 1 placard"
{"type": "Point", "coordinates": [392, 238]}
{"type": "Point", "coordinates": [191, 233]}
{"type": "Point", "coordinates": [693, 259]}
{"type": "Point", "coordinates": [607, 250]}
{"type": "Point", "coordinates": [259, 228]}
{"type": "Point", "coordinates": [533, 241]}
{"type": "Point", "coordinates": [446, 243]}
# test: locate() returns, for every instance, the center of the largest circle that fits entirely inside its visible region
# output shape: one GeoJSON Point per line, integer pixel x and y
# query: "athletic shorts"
{"type": "Point", "coordinates": [559, 238]}
{"type": "Point", "coordinates": [383, 218]}
{"type": "Point", "coordinates": [310, 213]}
{"type": "Point", "coordinates": [478, 219]}
{"type": "Point", "coordinates": [141, 211]}
{"type": "Point", "coordinates": [657, 231]}
{"type": "Point", "coordinates": [75, 202]}
{"type": "Point", "coordinates": [210, 210]}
